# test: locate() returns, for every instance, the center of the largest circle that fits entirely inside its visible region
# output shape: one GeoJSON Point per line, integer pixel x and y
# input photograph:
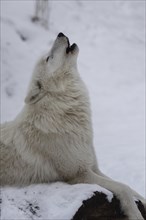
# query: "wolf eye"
{"type": "Point", "coordinates": [47, 58]}
{"type": "Point", "coordinates": [51, 56]}
{"type": "Point", "coordinates": [38, 84]}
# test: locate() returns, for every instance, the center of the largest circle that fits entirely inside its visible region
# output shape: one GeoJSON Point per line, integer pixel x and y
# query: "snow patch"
{"type": "Point", "coordinates": [46, 201]}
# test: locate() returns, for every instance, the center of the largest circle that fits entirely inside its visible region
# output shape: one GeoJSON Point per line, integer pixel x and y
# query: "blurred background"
{"type": "Point", "coordinates": [111, 38]}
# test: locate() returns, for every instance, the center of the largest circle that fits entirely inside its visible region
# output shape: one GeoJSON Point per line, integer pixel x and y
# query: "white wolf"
{"type": "Point", "coordinates": [52, 139]}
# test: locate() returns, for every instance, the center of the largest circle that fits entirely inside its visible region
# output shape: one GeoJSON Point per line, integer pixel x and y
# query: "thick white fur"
{"type": "Point", "coordinates": [51, 139]}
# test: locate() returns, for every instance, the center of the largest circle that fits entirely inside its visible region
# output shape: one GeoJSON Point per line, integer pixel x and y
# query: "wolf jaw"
{"type": "Point", "coordinates": [70, 48]}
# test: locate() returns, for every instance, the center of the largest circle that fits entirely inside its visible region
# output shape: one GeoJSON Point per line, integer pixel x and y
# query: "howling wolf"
{"type": "Point", "coordinates": [52, 139]}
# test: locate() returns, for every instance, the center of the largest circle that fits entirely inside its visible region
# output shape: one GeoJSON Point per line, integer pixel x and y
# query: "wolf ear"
{"type": "Point", "coordinates": [34, 94]}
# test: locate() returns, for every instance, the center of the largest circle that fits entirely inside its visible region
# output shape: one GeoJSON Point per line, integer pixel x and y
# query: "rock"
{"type": "Point", "coordinates": [98, 207]}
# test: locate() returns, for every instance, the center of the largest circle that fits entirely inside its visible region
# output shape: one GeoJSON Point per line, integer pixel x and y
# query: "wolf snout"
{"type": "Point", "coordinates": [61, 35]}
{"type": "Point", "coordinates": [70, 48]}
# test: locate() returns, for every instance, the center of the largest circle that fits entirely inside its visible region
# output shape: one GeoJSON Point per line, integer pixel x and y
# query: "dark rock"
{"type": "Point", "coordinates": [98, 207]}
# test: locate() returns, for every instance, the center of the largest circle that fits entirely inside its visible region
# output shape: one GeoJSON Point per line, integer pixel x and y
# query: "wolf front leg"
{"type": "Point", "coordinates": [134, 193]}
{"type": "Point", "coordinates": [122, 192]}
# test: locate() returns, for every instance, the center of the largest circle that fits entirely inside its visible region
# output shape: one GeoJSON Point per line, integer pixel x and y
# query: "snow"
{"type": "Point", "coordinates": [111, 38]}
{"type": "Point", "coordinates": [54, 201]}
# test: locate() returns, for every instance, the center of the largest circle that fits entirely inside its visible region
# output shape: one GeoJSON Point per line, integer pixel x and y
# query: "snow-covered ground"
{"type": "Point", "coordinates": [57, 201]}
{"type": "Point", "coordinates": [111, 38]}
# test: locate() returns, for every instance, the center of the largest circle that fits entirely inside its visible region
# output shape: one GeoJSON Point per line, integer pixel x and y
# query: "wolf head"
{"type": "Point", "coordinates": [61, 58]}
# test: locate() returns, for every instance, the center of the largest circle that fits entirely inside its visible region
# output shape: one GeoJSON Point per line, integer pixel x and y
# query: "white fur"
{"type": "Point", "coordinates": [51, 139]}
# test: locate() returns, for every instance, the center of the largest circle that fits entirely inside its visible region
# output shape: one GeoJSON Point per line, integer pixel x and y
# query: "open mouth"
{"type": "Point", "coordinates": [70, 48]}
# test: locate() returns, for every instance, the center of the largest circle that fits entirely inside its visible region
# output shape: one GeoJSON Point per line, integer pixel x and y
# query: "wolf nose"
{"type": "Point", "coordinates": [61, 35]}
